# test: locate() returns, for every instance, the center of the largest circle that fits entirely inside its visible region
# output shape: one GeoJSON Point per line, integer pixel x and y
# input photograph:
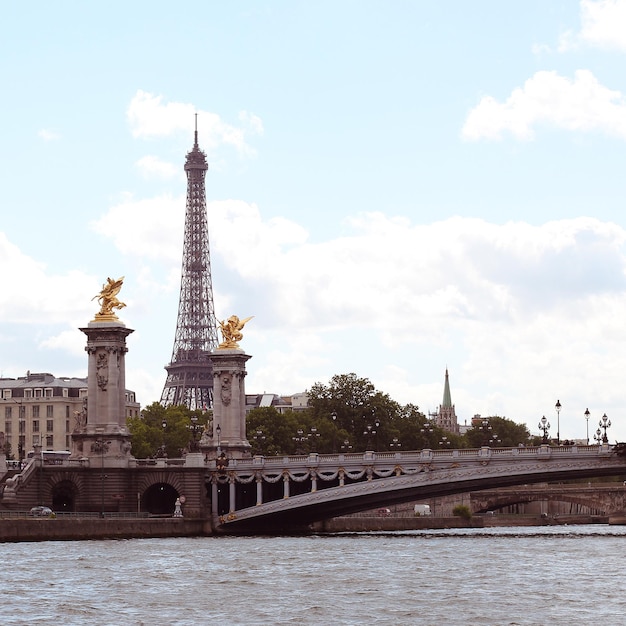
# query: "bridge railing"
{"type": "Point", "coordinates": [465, 455]}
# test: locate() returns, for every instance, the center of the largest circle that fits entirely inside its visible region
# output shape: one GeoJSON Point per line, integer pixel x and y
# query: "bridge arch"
{"type": "Point", "coordinates": [65, 489]}
{"type": "Point", "coordinates": [158, 492]}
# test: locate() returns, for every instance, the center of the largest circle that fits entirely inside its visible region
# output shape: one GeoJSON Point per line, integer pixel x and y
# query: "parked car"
{"type": "Point", "coordinates": [385, 512]}
{"type": "Point", "coordinates": [41, 511]}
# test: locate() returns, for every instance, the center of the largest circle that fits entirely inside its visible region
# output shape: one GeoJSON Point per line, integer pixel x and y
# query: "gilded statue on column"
{"type": "Point", "coordinates": [231, 332]}
{"type": "Point", "coordinates": [107, 298]}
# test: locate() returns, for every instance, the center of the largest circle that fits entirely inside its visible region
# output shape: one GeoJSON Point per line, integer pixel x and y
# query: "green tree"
{"type": "Point", "coordinates": [162, 430]}
{"type": "Point", "coordinates": [497, 432]}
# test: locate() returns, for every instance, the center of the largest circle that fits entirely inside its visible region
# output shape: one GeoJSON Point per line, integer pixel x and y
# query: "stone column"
{"type": "Point", "coordinates": [102, 433]}
{"type": "Point", "coordinates": [229, 405]}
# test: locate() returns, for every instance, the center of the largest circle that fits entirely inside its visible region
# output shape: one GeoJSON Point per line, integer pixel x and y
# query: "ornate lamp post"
{"type": "Point", "coordinates": [218, 432]}
{"type": "Point", "coordinates": [395, 444]}
{"type": "Point", "coordinates": [604, 423]}
{"type": "Point", "coordinates": [333, 416]}
{"type": "Point", "coordinates": [312, 437]}
{"type": "Point", "coordinates": [587, 418]}
{"type": "Point", "coordinates": [544, 425]}
{"type": "Point", "coordinates": [371, 431]}
{"type": "Point", "coordinates": [259, 437]}
{"type": "Point", "coordinates": [299, 439]}
{"type": "Point", "coordinates": [427, 430]}
{"type": "Point", "coordinates": [557, 406]}
{"type": "Point", "coordinates": [486, 429]}
{"type": "Point", "coordinates": [346, 446]}
{"type": "Point", "coordinates": [163, 448]}
{"type": "Point", "coordinates": [494, 440]}
{"type": "Point", "coordinates": [445, 442]}
{"type": "Point", "coordinates": [195, 430]}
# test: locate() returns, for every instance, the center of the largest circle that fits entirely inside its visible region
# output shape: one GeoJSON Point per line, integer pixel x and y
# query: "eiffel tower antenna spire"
{"type": "Point", "coordinates": [190, 373]}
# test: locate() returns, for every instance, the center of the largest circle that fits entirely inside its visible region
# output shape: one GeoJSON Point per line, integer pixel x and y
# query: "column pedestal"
{"type": "Point", "coordinates": [229, 406]}
{"type": "Point", "coordinates": [101, 433]}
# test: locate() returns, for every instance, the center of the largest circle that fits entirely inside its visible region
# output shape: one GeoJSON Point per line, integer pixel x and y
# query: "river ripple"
{"type": "Point", "coordinates": [557, 575]}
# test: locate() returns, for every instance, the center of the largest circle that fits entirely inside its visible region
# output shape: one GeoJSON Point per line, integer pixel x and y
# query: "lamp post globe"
{"type": "Point", "coordinates": [557, 406]}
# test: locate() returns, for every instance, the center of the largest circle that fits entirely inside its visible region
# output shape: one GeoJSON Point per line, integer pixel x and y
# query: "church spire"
{"type": "Point", "coordinates": [447, 398]}
{"type": "Point", "coordinates": [446, 416]}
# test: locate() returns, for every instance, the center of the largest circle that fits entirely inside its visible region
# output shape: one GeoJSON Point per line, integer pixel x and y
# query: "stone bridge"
{"type": "Point", "coordinates": [592, 498]}
{"type": "Point", "coordinates": [283, 494]}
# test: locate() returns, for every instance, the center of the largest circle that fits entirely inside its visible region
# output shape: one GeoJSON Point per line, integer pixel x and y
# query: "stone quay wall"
{"type": "Point", "coordinates": [50, 529]}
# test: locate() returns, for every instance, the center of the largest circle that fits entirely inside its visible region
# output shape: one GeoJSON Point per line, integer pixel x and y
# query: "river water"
{"type": "Point", "coordinates": [557, 575]}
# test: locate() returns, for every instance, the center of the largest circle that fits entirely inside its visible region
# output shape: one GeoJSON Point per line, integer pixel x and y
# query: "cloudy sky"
{"type": "Point", "coordinates": [395, 187]}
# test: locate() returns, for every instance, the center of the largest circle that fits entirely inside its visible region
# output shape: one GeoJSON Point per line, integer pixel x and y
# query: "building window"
{"type": "Point", "coordinates": [6, 394]}
{"type": "Point", "coordinates": [49, 410]}
{"type": "Point", "coordinates": [22, 412]}
{"type": "Point", "coordinates": [67, 426]}
{"type": "Point", "coordinates": [49, 442]}
{"type": "Point", "coordinates": [67, 410]}
{"type": "Point", "coordinates": [8, 412]}
{"type": "Point", "coordinates": [38, 393]}
{"type": "Point", "coordinates": [22, 427]}
{"type": "Point", "coordinates": [82, 393]}
{"type": "Point", "coordinates": [49, 393]}
{"type": "Point", "coordinates": [67, 442]}
{"type": "Point", "coordinates": [66, 393]}
{"type": "Point", "coordinates": [35, 426]}
{"type": "Point", "coordinates": [7, 428]}
{"type": "Point", "coordinates": [35, 410]}
{"type": "Point", "coordinates": [35, 440]}
{"type": "Point", "coordinates": [28, 393]}
{"type": "Point", "coordinates": [50, 425]}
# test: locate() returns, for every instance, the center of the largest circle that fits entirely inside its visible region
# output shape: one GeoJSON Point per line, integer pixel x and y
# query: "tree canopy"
{"type": "Point", "coordinates": [346, 415]}
{"type": "Point", "coordinates": [164, 431]}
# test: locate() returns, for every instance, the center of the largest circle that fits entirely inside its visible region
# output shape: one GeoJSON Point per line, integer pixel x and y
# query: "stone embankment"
{"type": "Point", "coordinates": [364, 524]}
{"type": "Point", "coordinates": [75, 528]}
{"type": "Point", "coordinates": [71, 529]}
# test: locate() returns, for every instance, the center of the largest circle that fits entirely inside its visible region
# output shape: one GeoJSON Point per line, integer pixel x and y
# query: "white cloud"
{"type": "Point", "coordinates": [149, 228]}
{"type": "Point", "coordinates": [582, 104]}
{"type": "Point", "coordinates": [149, 116]}
{"type": "Point", "coordinates": [48, 135]}
{"type": "Point", "coordinates": [30, 293]}
{"type": "Point", "coordinates": [522, 314]}
{"type": "Point", "coordinates": [603, 25]}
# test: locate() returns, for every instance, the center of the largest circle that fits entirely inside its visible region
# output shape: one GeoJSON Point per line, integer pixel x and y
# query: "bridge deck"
{"type": "Point", "coordinates": [340, 484]}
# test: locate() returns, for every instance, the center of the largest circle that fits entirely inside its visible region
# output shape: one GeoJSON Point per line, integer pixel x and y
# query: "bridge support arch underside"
{"type": "Point", "coordinates": [239, 496]}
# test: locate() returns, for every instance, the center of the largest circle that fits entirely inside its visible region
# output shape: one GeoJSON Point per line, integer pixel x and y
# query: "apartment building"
{"type": "Point", "coordinates": [41, 410]}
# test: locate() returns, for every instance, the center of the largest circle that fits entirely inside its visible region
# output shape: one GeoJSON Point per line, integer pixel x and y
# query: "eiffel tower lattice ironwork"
{"type": "Point", "coordinates": [190, 372]}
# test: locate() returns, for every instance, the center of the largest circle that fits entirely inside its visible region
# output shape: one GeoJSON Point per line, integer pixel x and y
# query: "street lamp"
{"type": "Point", "coordinates": [604, 423]}
{"type": "Point", "coordinates": [164, 426]}
{"type": "Point", "coordinates": [445, 442]}
{"type": "Point", "coordinates": [333, 416]}
{"type": "Point", "coordinates": [495, 440]}
{"type": "Point", "coordinates": [486, 428]}
{"type": "Point", "coordinates": [395, 443]}
{"type": "Point", "coordinates": [259, 437]}
{"type": "Point", "coordinates": [299, 439]}
{"type": "Point", "coordinates": [587, 418]}
{"type": "Point", "coordinates": [345, 446]}
{"type": "Point", "coordinates": [369, 431]}
{"type": "Point", "coordinates": [195, 429]}
{"type": "Point", "coordinates": [313, 434]}
{"type": "Point", "coordinates": [597, 436]}
{"type": "Point", "coordinates": [557, 406]}
{"type": "Point", "coordinates": [544, 425]}
{"type": "Point", "coordinates": [218, 432]}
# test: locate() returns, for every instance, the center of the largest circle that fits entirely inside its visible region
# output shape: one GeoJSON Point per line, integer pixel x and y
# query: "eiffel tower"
{"type": "Point", "coordinates": [190, 372]}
